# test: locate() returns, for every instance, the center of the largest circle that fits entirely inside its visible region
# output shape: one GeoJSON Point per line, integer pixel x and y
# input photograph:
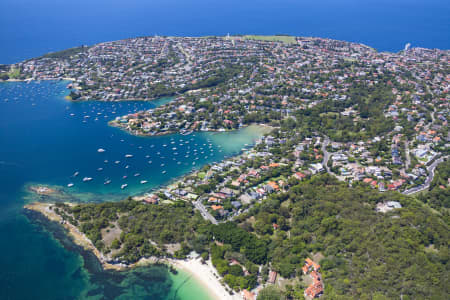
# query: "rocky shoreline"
{"type": "Point", "coordinates": [96, 264]}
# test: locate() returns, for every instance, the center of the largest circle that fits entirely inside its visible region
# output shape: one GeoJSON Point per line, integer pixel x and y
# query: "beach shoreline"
{"type": "Point", "coordinates": [204, 273]}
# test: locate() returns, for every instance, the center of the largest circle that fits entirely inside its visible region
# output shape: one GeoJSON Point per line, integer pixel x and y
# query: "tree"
{"type": "Point", "coordinates": [270, 292]}
{"type": "Point", "coordinates": [115, 244]}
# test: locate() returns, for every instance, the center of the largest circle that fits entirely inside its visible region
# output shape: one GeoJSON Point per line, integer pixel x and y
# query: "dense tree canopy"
{"type": "Point", "coordinates": [366, 254]}
{"type": "Point", "coordinates": [403, 252]}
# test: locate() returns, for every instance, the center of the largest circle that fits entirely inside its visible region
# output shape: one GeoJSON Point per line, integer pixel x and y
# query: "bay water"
{"type": "Point", "coordinates": [45, 140]}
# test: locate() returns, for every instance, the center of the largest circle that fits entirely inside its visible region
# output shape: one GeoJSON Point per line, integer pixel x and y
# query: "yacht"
{"type": "Point", "coordinates": [70, 185]}
{"type": "Point", "coordinates": [186, 132]}
{"type": "Point", "coordinates": [123, 186]}
{"type": "Point", "coordinates": [87, 179]}
{"type": "Point", "coordinates": [144, 181]}
{"type": "Point", "coordinates": [128, 155]}
{"type": "Point", "coordinates": [107, 182]}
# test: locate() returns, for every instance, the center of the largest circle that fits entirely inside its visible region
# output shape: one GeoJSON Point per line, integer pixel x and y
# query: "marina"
{"type": "Point", "coordinates": [119, 157]}
{"type": "Point", "coordinates": [62, 156]}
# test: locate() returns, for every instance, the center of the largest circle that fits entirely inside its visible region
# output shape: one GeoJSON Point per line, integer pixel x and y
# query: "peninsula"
{"type": "Point", "coordinates": [346, 197]}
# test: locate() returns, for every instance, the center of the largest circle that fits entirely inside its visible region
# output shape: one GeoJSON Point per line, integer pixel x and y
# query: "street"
{"type": "Point", "coordinates": [430, 177]}
{"type": "Point", "coordinates": [205, 214]}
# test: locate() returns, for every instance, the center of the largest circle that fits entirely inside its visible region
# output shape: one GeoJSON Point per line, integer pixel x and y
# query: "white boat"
{"type": "Point", "coordinates": [123, 186]}
{"type": "Point", "coordinates": [137, 174]}
{"type": "Point", "coordinates": [87, 179]}
{"type": "Point", "coordinates": [128, 155]}
{"type": "Point", "coordinates": [117, 161]}
{"type": "Point", "coordinates": [164, 172]}
{"type": "Point", "coordinates": [75, 174]}
{"type": "Point", "coordinates": [124, 177]}
{"type": "Point", "coordinates": [107, 182]}
{"type": "Point", "coordinates": [70, 185]}
{"type": "Point", "coordinates": [144, 181]}
{"type": "Point", "coordinates": [100, 169]}
{"type": "Point", "coordinates": [186, 132]}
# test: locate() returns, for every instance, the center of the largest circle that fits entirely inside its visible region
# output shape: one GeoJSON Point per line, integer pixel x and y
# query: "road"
{"type": "Point", "coordinates": [205, 214]}
{"type": "Point", "coordinates": [326, 154]}
{"type": "Point", "coordinates": [408, 158]}
{"type": "Point", "coordinates": [188, 57]}
{"type": "Point", "coordinates": [430, 177]}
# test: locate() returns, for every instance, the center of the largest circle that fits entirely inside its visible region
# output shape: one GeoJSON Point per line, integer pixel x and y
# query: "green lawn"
{"type": "Point", "coordinates": [14, 73]}
{"type": "Point", "coordinates": [272, 38]}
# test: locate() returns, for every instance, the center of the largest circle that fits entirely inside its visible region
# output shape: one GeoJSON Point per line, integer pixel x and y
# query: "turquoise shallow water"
{"type": "Point", "coordinates": [45, 139]}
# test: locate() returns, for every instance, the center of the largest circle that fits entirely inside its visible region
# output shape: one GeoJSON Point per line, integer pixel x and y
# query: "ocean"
{"type": "Point", "coordinates": [31, 28]}
{"type": "Point", "coordinates": [45, 140]}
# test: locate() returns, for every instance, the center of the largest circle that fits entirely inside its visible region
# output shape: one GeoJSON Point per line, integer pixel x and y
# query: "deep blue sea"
{"type": "Point", "coordinates": [44, 140]}
{"type": "Point", "coordinates": [29, 28]}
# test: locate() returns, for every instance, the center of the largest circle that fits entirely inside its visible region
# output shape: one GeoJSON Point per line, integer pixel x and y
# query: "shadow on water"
{"type": "Point", "coordinates": [150, 282]}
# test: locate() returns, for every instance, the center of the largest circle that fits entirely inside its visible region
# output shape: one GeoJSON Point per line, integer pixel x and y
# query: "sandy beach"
{"type": "Point", "coordinates": [205, 274]}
